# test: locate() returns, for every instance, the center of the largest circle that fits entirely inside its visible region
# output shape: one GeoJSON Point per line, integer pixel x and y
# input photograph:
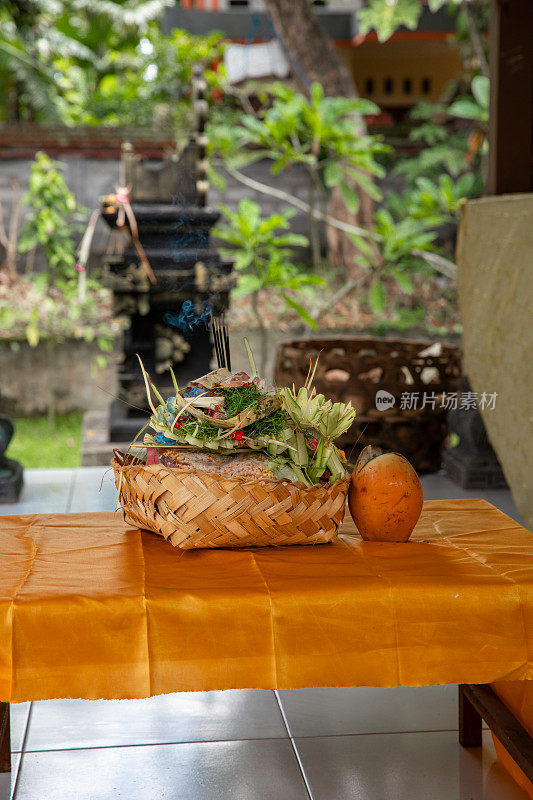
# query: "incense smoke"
{"type": "Point", "coordinates": [187, 320]}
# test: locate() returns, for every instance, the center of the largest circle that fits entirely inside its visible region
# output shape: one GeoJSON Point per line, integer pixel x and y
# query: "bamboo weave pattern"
{"type": "Point", "coordinates": [198, 509]}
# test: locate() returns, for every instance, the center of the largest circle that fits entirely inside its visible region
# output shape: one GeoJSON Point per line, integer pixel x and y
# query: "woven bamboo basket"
{"type": "Point", "coordinates": [199, 509]}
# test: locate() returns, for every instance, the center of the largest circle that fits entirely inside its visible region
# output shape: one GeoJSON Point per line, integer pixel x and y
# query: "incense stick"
{"type": "Point", "coordinates": [221, 343]}
{"type": "Point", "coordinates": [226, 343]}
{"type": "Point", "coordinates": [217, 342]}
{"type": "Point", "coordinates": [220, 333]}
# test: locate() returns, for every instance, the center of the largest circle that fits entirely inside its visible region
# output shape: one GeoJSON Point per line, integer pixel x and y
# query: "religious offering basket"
{"type": "Point", "coordinates": [235, 463]}
{"type": "Point", "coordinates": [198, 509]}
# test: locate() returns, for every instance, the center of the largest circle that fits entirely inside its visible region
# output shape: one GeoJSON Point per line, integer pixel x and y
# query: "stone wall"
{"type": "Point", "coordinates": [29, 376]}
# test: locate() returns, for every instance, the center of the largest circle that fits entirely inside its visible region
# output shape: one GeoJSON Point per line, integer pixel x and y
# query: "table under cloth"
{"type": "Point", "coordinates": [92, 608]}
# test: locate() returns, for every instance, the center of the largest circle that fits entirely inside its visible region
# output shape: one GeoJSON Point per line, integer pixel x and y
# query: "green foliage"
{"type": "Point", "coordinates": [26, 78]}
{"type": "Point", "coordinates": [237, 399]}
{"type": "Point", "coordinates": [435, 201]}
{"type": "Point", "coordinates": [321, 135]}
{"type": "Point", "coordinates": [451, 167]}
{"type": "Point", "coordinates": [32, 313]}
{"type": "Point", "coordinates": [46, 305]}
{"type": "Point", "coordinates": [385, 16]}
{"type": "Point", "coordinates": [476, 106]}
{"type": "Point", "coordinates": [446, 147]}
{"type": "Point", "coordinates": [269, 426]}
{"type": "Point", "coordinates": [392, 251]}
{"type": "Point", "coordinates": [96, 62]}
{"type": "Point", "coordinates": [263, 252]}
{"type": "Point", "coordinates": [317, 132]}
{"type": "Point", "coordinates": [201, 430]}
{"type": "Point", "coordinates": [148, 85]}
{"type": "Point", "coordinates": [54, 216]}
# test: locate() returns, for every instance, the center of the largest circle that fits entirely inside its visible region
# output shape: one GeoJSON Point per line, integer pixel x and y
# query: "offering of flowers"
{"type": "Point", "coordinates": [233, 462]}
{"type": "Point", "coordinates": [232, 423]}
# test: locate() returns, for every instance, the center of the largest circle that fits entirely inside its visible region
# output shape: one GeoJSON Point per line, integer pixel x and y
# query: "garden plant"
{"type": "Point", "coordinates": [63, 63]}
{"type": "Point", "coordinates": [45, 304]}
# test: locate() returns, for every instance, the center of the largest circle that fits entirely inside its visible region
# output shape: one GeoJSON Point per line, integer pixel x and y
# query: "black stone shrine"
{"type": "Point", "coordinates": [10, 470]}
{"type": "Point", "coordinates": [168, 201]}
{"type": "Point", "coordinates": [473, 464]}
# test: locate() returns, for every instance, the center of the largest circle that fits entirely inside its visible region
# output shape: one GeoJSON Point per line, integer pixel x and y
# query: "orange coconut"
{"type": "Point", "coordinates": [385, 496]}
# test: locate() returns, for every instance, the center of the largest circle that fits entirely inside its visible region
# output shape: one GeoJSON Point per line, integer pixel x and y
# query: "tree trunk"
{"type": "Point", "coordinates": [314, 57]}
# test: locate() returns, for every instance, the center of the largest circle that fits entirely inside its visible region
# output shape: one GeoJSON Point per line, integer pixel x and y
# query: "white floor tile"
{"type": "Point", "coordinates": [181, 717]}
{"type": "Point", "coordinates": [45, 491]}
{"type": "Point", "coordinates": [404, 766]}
{"type": "Point", "coordinates": [18, 719]}
{"type": "Point", "coordinates": [94, 490]}
{"type": "Point", "coordinates": [252, 770]}
{"type": "Point", "coordinates": [440, 487]}
{"type": "Point", "coordinates": [5, 785]}
{"type": "Point", "coordinates": [7, 779]}
{"type": "Point", "coordinates": [333, 711]}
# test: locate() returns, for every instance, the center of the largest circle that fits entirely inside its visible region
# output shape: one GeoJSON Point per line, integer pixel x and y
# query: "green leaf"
{"type": "Point", "coordinates": [243, 259]}
{"type": "Point", "coordinates": [292, 240]}
{"type": "Point", "coordinates": [364, 107]}
{"type": "Point", "coordinates": [465, 185]}
{"type": "Point", "coordinates": [317, 92]}
{"type": "Point", "coordinates": [105, 344]}
{"type": "Point", "coordinates": [468, 109]}
{"type": "Point", "coordinates": [403, 280]}
{"type": "Point", "coordinates": [350, 196]}
{"type": "Point", "coordinates": [365, 182]}
{"type": "Point", "coordinates": [250, 211]}
{"type": "Point", "coordinates": [481, 90]}
{"type": "Point", "coordinates": [333, 173]}
{"type": "Point", "coordinates": [32, 334]}
{"type": "Point", "coordinates": [385, 16]}
{"type": "Point", "coordinates": [362, 244]}
{"type": "Point", "coordinates": [377, 297]}
{"type": "Point", "coordinates": [247, 284]}
{"type": "Point", "coordinates": [301, 311]}
{"type": "Point", "coordinates": [27, 242]}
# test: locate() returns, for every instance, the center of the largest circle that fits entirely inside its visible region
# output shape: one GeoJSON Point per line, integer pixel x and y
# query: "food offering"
{"type": "Point", "coordinates": [385, 496]}
{"type": "Point", "coordinates": [231, 461]}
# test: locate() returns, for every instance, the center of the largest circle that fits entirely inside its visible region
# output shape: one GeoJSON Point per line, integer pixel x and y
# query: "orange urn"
{"type": "Point", "coordinates": [385, 496]}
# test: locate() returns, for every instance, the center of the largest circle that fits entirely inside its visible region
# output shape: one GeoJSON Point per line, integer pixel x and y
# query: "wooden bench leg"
{"type": "Point", "coordinates": [5, 739]}
{"type": "Point", "coordinates": [5, 753]}
{"type": "Point", "coordinates": [477, 701]}
{"type": "Point", "coordinates": [470, 721]}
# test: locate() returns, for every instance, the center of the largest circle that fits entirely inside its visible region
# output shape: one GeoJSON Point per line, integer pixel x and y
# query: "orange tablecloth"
{"type": "Point", "coordinates": [91, 608]}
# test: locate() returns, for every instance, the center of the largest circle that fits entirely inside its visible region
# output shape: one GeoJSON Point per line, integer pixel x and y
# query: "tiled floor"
{"type": "Point", "coordinates": [307, 744]}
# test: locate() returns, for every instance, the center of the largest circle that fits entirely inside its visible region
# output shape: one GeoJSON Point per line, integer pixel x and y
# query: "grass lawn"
{"type": "Point", "coordinates": [37, 444]}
